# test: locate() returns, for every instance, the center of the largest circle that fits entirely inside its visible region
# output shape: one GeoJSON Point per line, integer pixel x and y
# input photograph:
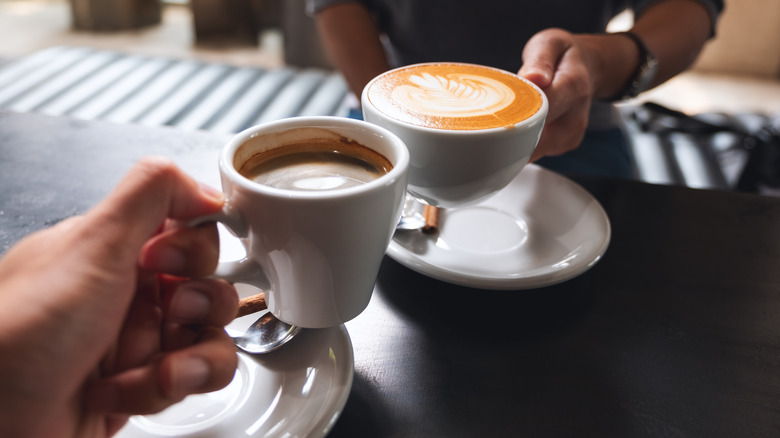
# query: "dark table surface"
{"type": "Point", "coordinates": [675, 332]}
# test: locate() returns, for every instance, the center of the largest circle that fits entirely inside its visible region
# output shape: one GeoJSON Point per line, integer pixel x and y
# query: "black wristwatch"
{"type": "Point", "coordinates": [644, 74]}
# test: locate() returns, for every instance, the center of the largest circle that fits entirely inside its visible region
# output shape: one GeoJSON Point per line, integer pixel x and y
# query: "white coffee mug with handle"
{"type": "Point", "coordinates": [316, 254]}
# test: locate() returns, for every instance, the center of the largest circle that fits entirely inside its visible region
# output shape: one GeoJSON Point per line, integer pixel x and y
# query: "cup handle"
{"type": "Point", "coordinates": [244, 270]}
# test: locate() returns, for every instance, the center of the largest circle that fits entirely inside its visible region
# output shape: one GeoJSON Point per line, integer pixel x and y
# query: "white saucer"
{"type": "Point", "coordinates": [298, 390]}
{"type": "Point", "coordinates": [540, 230]}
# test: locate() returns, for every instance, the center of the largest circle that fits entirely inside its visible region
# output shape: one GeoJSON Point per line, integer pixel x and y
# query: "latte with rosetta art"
{"type": "Point", "coordinates": [454, 96]}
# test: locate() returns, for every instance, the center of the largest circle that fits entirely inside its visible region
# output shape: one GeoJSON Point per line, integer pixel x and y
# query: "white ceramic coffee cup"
{"type": "Point", "coordinates": [454, 168]}
{"type": "Point", "coordinates": [315, 254]}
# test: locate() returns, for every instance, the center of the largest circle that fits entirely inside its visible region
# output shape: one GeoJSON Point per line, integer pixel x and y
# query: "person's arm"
{"type": "Point", "coordinates": [351, 38]}
{"type": "Point", "coordinates": [674, 30]}
{"type": "Point", "coordinates": [575, 69]}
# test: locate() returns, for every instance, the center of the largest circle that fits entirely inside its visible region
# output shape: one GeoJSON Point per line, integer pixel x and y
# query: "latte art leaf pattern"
{"type": "Point", "coordinates": [459, 90]}
{"type": "Point", "coordinates": [454, 95]}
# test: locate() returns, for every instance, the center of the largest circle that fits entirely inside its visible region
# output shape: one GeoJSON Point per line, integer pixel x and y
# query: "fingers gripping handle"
{"type": "Point", "coordinates": [242, 271]}
{"type": "Point", "coordinates": [229, 216]}
{"type": "Point", "coordinates": [238, 271]}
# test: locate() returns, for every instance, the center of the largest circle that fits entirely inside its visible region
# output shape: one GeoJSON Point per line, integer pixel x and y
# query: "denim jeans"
{"type": "Point", "coordinates": [603, 153]}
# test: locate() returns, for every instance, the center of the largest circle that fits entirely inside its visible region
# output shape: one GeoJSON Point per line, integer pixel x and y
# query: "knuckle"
{"type": "Point", "coordinates": [156, 168]}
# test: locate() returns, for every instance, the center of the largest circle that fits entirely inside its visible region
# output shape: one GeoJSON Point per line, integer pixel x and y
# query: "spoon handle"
{"type": "Point", "coordinates": [252, 304]}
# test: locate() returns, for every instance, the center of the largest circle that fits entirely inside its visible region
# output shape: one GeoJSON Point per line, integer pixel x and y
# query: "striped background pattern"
{"type": "Point", "coordinates": [108, 85]}
{"type": "Point", "coordinates": [105, 85]}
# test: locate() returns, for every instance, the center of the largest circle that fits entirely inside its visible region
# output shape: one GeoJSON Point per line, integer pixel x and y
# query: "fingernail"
{"type": "Point", "coordinates": [188, 376]}
{"type": "Point", "coordinates": [189, 304]}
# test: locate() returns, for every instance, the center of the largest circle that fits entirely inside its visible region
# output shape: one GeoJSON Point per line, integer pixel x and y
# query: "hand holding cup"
{"type": "Point", "coordinates": [469, 129]}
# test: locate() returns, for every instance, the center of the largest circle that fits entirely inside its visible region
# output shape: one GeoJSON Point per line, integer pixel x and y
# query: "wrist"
{"type": "Point", "coordinates": [612, 59]}
{"type": "Point", "coordinates": [643, 75]}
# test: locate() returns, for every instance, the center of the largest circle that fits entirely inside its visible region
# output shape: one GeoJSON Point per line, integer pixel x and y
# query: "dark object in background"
{"type": "Point", "coordinates": [112, 15]}
{"type": "Point", "coordinates": [754, 135]}
{"type": "Point", "coordinates": [225, 22]}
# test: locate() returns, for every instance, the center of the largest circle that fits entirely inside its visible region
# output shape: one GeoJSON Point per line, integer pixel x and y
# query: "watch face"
{"type": "Point", "coordinates": [646, 74]}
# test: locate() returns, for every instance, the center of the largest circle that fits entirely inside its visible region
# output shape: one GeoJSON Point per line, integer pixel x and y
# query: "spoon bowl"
{"type": "Point", "coordinates": [265, 335]}
{"type": "Point", "coordinates": [413, 222]}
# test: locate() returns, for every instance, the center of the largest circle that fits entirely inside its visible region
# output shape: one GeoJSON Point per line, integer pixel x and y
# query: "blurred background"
{"type": "Point", "coordinates": [739, 70]}
{"type": "Point", "coordinates": [224, 65]}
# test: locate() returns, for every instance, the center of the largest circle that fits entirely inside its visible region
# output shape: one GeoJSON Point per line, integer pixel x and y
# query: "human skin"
{"type": "Point", "coordinates": [109, 314]}
{"type": "Point", "coordinates": [572, 69]}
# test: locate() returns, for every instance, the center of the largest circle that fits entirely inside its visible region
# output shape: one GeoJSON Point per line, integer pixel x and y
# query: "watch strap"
{"type": "Point", "coordinates": [644, 73]}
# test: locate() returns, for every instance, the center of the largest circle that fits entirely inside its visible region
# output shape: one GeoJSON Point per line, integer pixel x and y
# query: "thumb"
{"type": "Point", "coordinates": [541, 56]}
{"type": "Point", "coordinates": [154, 190]}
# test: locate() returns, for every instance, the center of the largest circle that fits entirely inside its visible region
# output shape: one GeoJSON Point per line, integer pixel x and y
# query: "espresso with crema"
{"type": "Point", "coordinates": [454, 96]}
{"type": "Point", "coordinates": [316, 165]}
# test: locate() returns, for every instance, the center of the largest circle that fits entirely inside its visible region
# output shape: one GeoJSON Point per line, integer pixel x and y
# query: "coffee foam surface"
{"type": "Point", "coordinates": [454, 96]}
{"type": "Point", "coordinates": [312, 164]}
{"type": "Point", "coordinates": [314, 172]}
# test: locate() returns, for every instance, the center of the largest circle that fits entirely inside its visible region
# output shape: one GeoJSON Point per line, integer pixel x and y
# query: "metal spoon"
{"type": "Point", "coordinates": [412, 222]}
{"type": "Point", "coordinates": [427, 222]}
{"type": "Point", "coordinates": [266, 335]}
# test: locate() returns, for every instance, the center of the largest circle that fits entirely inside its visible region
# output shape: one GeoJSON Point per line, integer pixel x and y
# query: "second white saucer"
{"type": "Point", "coordinates": [540, 230]}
